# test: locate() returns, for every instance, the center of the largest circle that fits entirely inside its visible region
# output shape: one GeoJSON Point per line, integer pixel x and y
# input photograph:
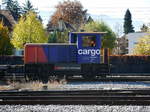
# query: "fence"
{"type": "Point", "coordinates": [130, 64]}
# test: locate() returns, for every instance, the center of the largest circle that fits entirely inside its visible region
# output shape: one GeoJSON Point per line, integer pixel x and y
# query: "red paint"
{"type": "Point", "coordinates": [35, 54]}
{"type": "Point", "coordinates": [41, 56]}
{"type": "Point", "coordinates": [30, 54]}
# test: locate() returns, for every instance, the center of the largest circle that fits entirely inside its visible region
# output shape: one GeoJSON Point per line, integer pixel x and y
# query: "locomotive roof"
{"type": "Point", "coordinates": [50, 44]}
{"type": "Point", "coordinates": [89, 32]}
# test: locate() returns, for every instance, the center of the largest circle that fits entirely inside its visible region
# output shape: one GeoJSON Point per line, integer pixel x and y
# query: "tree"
{"type": "Point", "coordinates": [69, 11]}
{"type": "Point", "coordinates": [118, 29]}
{"type": "Point", "coordinates": [144, 28]}
{"type": "Point", "coordinates": [52, 37]}
{"type": "Point", "coordinates": [58, 37]}
{"type": "Point", "coordinates": [143, 46]}
{"type": "Point", "coordinates": [128, 27]}
{"type": "Point", "coordinates": [28, 7]}
{"type": "Point", "coordinates": [14, 8]}
{"type": "Point", "coordinates": [40, 18]}
{"type": "Point", "coordinates": [28, 30]}
{"type": "Point", "coordinates": [108, 40]}
{"type": "Point", "coordinates": [6, 47]}
{"type": "Point", "coordinates": [90, 19]}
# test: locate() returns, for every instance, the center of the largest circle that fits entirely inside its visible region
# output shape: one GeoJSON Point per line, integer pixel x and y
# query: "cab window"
{"type": "Point", "coordinates": [89, 41]}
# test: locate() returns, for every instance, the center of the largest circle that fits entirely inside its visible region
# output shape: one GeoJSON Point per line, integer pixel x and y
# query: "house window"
{"type": "Point", "coordinates": [135, 43]}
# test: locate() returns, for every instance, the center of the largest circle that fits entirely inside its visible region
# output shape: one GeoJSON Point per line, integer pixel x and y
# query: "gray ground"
{"type": "Point", "coordinates": [82, 108]}
{"type": "Point", "coordinates": [73, 108]}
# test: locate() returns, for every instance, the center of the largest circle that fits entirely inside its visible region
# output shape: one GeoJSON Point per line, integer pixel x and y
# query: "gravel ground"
{"type": "Point", "coordinates": [101, 85]}
{"type": "Point", "coordinates": [73, 108]}
{"type": "Point", "coordinates": [92, 86]}
{"type": "Point", "coordinates": [82, 108]}
{"type": "Point", "coordinates": [35, 86]}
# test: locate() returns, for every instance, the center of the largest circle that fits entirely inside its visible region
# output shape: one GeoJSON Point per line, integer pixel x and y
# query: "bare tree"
{"type": "Point", "coordinates": [71, 12]}
{"type": "Point", "coordinates": [118, 29]}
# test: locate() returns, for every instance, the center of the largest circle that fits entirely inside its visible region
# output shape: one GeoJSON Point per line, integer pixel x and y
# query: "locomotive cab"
{"type": "Point", "coordinates": [89, 53]}
{"type": "Point", "coordinates": [88, 46]}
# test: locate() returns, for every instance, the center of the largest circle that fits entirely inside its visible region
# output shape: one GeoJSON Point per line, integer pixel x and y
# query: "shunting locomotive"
{"type": "Point", "coordinates": [81, 56]}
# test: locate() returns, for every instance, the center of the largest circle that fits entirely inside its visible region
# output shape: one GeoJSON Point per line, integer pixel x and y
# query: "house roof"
{"type": "Point", "coordinates": [136, 35]}
{"type": "Point", "coordinates": [7, 18]}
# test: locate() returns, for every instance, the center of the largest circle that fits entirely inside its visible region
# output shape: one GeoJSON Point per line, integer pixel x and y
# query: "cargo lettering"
{"type": "Point", "coordinates": [91, 52]}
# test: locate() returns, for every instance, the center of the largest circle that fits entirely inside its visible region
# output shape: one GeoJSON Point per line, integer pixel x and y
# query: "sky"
{"type": "Point", "coordinates": [140, 9]}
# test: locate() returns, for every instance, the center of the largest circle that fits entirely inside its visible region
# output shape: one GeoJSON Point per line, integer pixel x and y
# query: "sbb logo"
{"type": "Point", "coordinates": [91, 52]}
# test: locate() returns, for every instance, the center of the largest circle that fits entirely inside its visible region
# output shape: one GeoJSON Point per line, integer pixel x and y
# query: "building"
{"type": "Point", "coordinates": [7, 19]}
{"type": "Point", "coordinates": [133, 40]}
{"type": "Point", "coordinates": [125, 44]}
{"type": "Point", "coordinates": [6, 15]}
{"type": "Point", "coordinates": [121, 46]}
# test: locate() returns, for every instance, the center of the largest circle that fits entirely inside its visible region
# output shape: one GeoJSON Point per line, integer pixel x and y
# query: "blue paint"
{"type": "Point", "coordinates": [60, 53]}
{"type": "Point", "coordinates": [85, 54]}
{"type": "Point", "coordinates": [72, 38]}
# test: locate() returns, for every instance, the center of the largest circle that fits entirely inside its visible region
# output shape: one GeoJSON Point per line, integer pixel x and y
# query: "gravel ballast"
{"type": "Point", "coordinates": [73, 108]}
{"type": "Point", "coordinates": [101, 85]}
{"type": "Point", "coordinates": [83, 108]}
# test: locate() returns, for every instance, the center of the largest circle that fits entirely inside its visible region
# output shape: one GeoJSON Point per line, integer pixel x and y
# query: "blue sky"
{"type": "Point", "coordinates": [140, 9]}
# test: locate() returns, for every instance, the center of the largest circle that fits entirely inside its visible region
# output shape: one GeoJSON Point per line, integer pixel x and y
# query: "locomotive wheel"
{"type": "Point", "coordinates": [60, 78]}
{"type": "Point", "coordinates": [31, 77]}
{"type": "Point", "coordinates": [26, 77]}
{"type": "Point", "coordinates": [88, 77]}
{"type": "Point", "coordinates": [103, 76]}
{"type": "Point", "coordinates": [44, 78]}
{"type": "Point", "coordinates": [2, 74]}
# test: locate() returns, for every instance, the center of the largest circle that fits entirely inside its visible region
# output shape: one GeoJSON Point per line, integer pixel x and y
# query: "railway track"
{"type": "Point", "coordinates": [77, 97]}
{"type": "Point", "coordinates": [112, 78]}
{"type": "Point", "coordinates": [16, 73]}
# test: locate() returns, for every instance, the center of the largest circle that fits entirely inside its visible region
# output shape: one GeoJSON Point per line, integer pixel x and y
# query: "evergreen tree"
{"type": "Point", "coordinates": [28, 7]}
{"type": "Point", "coordinates": [14, 8]}
{"type": "Point", "coordinates": [90, 19]}
{"type": "Point", "coordinates": [144, 28]}
{"type": "Point", "coordinates": [40, 18]}
{"type": "Point", "coordinates": [128, 27]}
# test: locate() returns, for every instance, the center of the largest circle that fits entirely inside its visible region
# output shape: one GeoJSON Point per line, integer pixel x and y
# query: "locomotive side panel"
{"type": "Point", "coordinates": [50, 53]}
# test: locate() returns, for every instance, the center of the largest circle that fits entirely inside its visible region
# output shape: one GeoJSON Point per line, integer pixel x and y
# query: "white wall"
{"type": "Point", "coordinates": [133, 40]}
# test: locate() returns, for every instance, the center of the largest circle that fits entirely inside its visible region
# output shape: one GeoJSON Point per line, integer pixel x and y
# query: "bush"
{"type": "Point", "coordinates": [6, 47]}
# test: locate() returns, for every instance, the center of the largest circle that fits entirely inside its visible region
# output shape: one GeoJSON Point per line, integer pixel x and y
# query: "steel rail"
{"type": "Point", "coordinates": [77, 97]}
